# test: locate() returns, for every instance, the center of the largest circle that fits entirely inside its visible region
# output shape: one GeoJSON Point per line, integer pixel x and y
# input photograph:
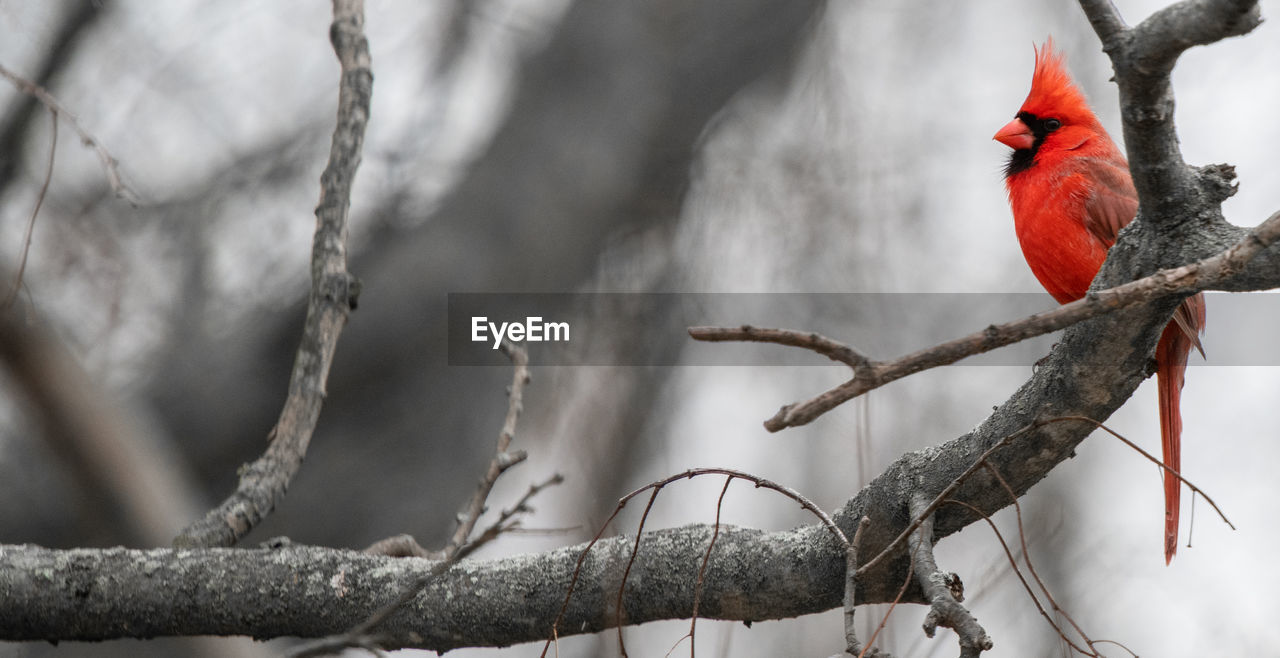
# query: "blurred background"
{"type": "Point", "coordinates": [561, 146]}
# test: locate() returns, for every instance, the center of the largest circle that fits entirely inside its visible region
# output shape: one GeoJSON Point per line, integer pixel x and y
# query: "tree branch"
{"type": "Point", "coordinates": [35, 212]}
{"type": "Point", "coordinates": [1224, 270]}
{"type": "Point", "coordinates": [943, 590]}
{"type": "Point", "coordinates": [1105, 19]}
{"type": "Point", "coordinates": [333, 296]}
{"type": "Point", "coordinates": [503, 459]}
{"type": "Point", "coordinates": [363, 635]}
{"type": "Point", "coordinates": [16, 124]}
{"type": "Point", "coordinates": [109, 163]}
{"type": "Point", "coordinates": [1143, 57]}
{"type": "Point", "coordinates": [91, 594]}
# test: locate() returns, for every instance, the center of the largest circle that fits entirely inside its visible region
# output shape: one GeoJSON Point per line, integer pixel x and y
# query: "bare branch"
{"type": "Point", "coordinates": [109, 163]}
{"type": "Point", "coordinates": [852, 646]}
{"type": "Point", "coordinates": [503, 459]}
{"type": "Point", "coordinates": [797, 572]}
{"type": "Point", "coordinates": [943, 590]}
{"type": "Point", "coordinates": [921, 516]}
{"type": "Point", "coordinates": [1105, 19]}
{"type": "Point", "coordinates": [1160, 39]}
{"type": "Point", "coordinates": [1210, 273]}
{"type": "Point", "coordinates": [702, 570]}
{"type": "Point", "coordinates": [1143, 57]}
{"type": "Point", "coordinates": [1026, 557]}
{"type": "Point", "coordinates": [618, 607]}
{"type": "Point", "coordinates": [655, 487]}
{"type": "Point", "coordinates": [1158, 462]}
{"type": "Point", "coordinates": [333, 296]}
{"type": "Point", "coordinates": [508, 520]}
{"type": "Point", "coordinates": [402, 545]}
{"type": "Point", "coordinates": [870, 651]}
{"type": "Point", "coordinates": [35, 212]}
{"type": "Point", "coordinates": [834, 350]}
{"type": "Point", "coordinates": [362, 635]}
{"type": "Point", "coordinates": [61, 47]}
{"type": "Point", "coordinates": [1013, 563]}
{"type": "Point", "coordinates": [239, 591]}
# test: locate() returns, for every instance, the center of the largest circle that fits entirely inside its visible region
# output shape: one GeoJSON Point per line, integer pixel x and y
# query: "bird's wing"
{"type": "Point", "coordinates": [1112, 204]}
{"type": "Point", "coordinates": [1112, 201]}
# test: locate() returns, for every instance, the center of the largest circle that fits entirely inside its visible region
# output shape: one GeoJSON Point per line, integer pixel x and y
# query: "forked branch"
{"type": "Point", "coordinates": [365, 634]}
{"type": "Point", "coordinates": [944, 591]}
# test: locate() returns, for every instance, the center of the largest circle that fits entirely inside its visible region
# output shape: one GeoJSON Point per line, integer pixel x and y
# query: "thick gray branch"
{"type": "Point", "coordinates": [943, 590]}
{"type": "Point", "coordinates": [1143, 57]}
{"type": "Point", "coordinates": [93, 594]}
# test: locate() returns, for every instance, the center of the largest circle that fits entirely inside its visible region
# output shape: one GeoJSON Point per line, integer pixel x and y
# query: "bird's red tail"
{"type": "Point", "coordinates": [1171, 366]}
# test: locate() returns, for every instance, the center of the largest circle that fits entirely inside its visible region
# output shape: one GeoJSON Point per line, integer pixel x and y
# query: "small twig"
{"type": "Point", "coordinates": [362, 635]}
{"type": "Point", "coordinates": [876, 653]}
{"type": "Point", "coordinates": [1026, 553]}
{"type": "Point", "coordinates": [982, 459]}
{"type": "Point", "coordinates": [109, 163]}
{"type": "Point", "coordinates": [759, 482]}
{"type": "Point", "coordinates": [35, 212]}
{"type": "Point", "coordinates": [1143, 58]}
{"type": "Point", "coordinates": [832, 349]}
{"type": "Point", "coordinates": [1017, 571]}
{"type": "Point", "coordinates": [631, 560]}
{"type": "Point", "coordinates": [706, 559]}
{"type": "Point", "coordinates": [946, 493]}
{"type": "Point", "coordinates": [334, 290]}
{"type": "Point", "coordinates": [1156, 461]}
{"type": "Point", "coordinates": [852, 646]}
{"type": "Point", "coordinates": [943, 591]}
{"type": "Point", "coordinates": [402, 545]}
{"type": "Point", "coordinates": [1026, 557]}
{"type": "Point", "coordinates": [503, 458]}
{"type": "Point", "coordinates": [508, 520]}
{"type": "Point", "coordinates": [870, 374]}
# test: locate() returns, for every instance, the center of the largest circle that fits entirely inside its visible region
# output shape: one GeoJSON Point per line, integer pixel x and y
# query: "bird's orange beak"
{"type": "Point", "coordinates": [1016, 135]}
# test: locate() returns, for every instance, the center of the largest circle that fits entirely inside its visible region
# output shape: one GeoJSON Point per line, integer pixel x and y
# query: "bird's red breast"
{"type": "Point", "coordinates": [1068, 183]}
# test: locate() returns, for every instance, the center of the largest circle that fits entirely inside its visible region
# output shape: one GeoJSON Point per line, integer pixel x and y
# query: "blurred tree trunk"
{"type": "Point", "coordinates": [596, 146]}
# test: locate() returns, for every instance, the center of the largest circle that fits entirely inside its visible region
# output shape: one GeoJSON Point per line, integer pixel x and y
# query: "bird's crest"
{"type": "Point", "coordinates": [1054, 93]}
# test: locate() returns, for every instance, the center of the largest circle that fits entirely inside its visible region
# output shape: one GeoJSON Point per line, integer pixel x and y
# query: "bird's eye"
{"type": "Point", "coordinates": [1052, 124]}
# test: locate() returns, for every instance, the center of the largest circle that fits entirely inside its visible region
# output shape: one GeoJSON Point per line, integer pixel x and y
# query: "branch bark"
{"type": "Point", "coordinates": [333, 296]}
{"type": "Point", "coordinates": [944, 592]}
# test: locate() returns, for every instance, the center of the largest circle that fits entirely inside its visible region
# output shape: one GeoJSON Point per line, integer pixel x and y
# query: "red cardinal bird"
{"type": "Point", "coordinates": [1070, 191]}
